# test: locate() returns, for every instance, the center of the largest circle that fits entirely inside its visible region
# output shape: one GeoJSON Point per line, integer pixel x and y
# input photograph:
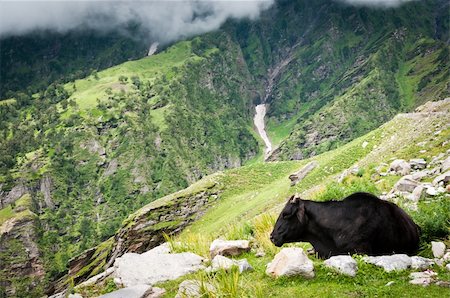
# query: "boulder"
{"type": "Point", "coordinates": [444, 178]}
{"type": "Point", "coordinates": [291, 261]}
{"type": "Point", "coordinates": [446, 257]}
{"type": "Point", "coordinates": [400, 166]}
{"type": "Point", "coordinates": [137, 291]}
{"type": "Point", "coordinates": [299, 175]}
{"type": "Point", "coordinates": [447, 267]}
{"type": "Point", "coordinates": [418, 176]}
{"type": "Point", "coordinates": [343, 264]}
{"type": "Point", "coordinates": [431, 191]}
{"type": "Point", "coordinates": [390, 263]}
{"type": "Point", "coordinates": [421, 263]}
{"type": "Point", "coordinates": [438, 249]}
{"type": "Point", "coordinates": [228, 247]}
{"type": "Point", "coordinates": [194, 288]}
{"type": "Point", "coordinates": [406, 183]}
{"type": "Point", "coordinates": [418, 163]}
{"type": "Point", "coordinates": [221, 262]}
{"type": "Point", "coordinates": [134, 269]}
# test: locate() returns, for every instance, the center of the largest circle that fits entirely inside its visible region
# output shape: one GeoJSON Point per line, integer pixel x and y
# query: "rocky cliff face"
{"type": "Point", "coordinates": [144, 230]}
{"type": "Point", "coordinates": [22, 269]}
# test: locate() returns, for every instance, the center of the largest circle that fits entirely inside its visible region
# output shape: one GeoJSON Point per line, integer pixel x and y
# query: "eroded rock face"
{"type": "Point", "coordinates": [228, 247]}
{"type": "Point", "coordinates": [390, 263]}
{"type": "Point", "coordinates": [291, 261]}
{"type": "Point", "coordinates": [134, 269]}
{"type": "Point", "coordinates": [342, 264]}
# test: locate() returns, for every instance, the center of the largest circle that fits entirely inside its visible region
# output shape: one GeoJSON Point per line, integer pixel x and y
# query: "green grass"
{"type": "Point", "coordinates": [89, 89]}
{"type": "Point", "coordinates": [6, 213]}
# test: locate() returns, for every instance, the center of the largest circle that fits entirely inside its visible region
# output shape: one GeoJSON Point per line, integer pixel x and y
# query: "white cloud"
{"type": "Point", "coordinates": [377, 3]}
{"type": "Point", "coordinates": [165, 20]}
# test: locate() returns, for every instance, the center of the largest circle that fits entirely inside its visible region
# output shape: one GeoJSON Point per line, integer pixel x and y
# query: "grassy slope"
{"type": "Point", "coordinates": [89, 89]}
{"type": "Point", "coordinates": [251, 190]}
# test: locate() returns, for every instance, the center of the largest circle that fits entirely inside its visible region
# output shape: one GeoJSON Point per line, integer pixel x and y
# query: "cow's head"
{"type": "Point", "coordinates": [291, 222]}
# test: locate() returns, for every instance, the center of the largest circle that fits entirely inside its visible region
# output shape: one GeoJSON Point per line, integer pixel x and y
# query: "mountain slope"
{"type": "Point", "coordinates": [231, 202]}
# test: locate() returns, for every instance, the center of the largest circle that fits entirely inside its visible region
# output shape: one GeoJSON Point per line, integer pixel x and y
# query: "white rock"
{"type": "Point", "coordinates": [228, 247]}
{"type": "Point", "coordinates": [421, 281]}
{"type": "Point", "coordinates": [400, 166]}
{"type": "Point", "coordinates": [221, 262]}
{"type": "Point", "coordinates": [389, 283]}
{"type": "Point", "coordinates": [149, 268]}
{"type": "Point", "coordinates": [291, 261]}
{"type": "Point", "coordinates": [420, 175]}
{"type": "Point", "coordinates": [343, 264]}
{"type": "Point", "coordinates": [76, 295]}
{"type": "Point", "coordinates": [364, 144]}
{"type": "Point", "coordinates": [137, 291]}
{"type": "Point", "coordinates": [446, 257]}
{"type": "Point", "coordinates": [431, 191]}
{"type": "Point", "coordinates": [421, 263]}
{"type": "Point", "coordinates": [97, 278]}
{"type": "Point", "coordinates": [390, 263]}
{"type": "Point", "coordinates": [424, 274]}
{"type": "Point", "coordinates": [438, 249]}
{"type": "Point", "coordinates": [447, 267]}
{"type": "Point", "coordinates": [194, 288]}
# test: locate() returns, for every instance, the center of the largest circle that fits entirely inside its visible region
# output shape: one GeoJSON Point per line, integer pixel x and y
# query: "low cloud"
{"type": "Point", "coordinates": [376, 3]}
{"type": "Point", "coordinates": [164, 20]}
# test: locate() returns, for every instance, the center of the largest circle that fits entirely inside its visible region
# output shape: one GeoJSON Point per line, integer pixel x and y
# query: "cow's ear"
{"type": "Point", "coordinates": [301, 214]}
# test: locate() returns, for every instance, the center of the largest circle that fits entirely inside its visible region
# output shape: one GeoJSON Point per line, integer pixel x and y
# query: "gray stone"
{"type": "Point", "coordinates": [221, 262]}
{"type": "Point", "coordinates": [446, 257]}
{"type": "Point", "coordinates": [445, 165]}
{"type": "Point", "coordinates": [424, 278]}
{"type": "Point", "coordinates": [418, 193]}
{"type": "Point", "coordinates": [228, 247]}
{"type": "Point", "coordinates": [420, 175]}
{"type": "Point", "coordinates": [390, 263]}
{"type": "Point", "coordinates": [421, 263]}
{"type": "Point", "coordinates": [299, 175]}
{"type": "Point", "coordinates": [447, 267]}
{"type": "Point", "coordinates": [445, 178]}
{"type": "Point", "coordinates": [289, 262]}
{"type": "Point", "coordinates": [438, 249]}
{"type": "Point", "coordinates": [76, 295]}
{"type": "Point", "coordinates": [400, 166]}
{"type": "Point", "coordinates": [134, 269]}
{"type": "Point", "coordinates": [343, 264]}
{"type": "Point", "coordinates": [418, 163]}
{"type": "Point", "coordinates": [389, 283]}
{"type": "Point", "coordinates": [137, 291]}
{"type": "Point", "coordinates": [431, 191]}
{"type": "Point", "coordinates": [406, 184]}
{"type": "Point", "coordinates": [194, 288]}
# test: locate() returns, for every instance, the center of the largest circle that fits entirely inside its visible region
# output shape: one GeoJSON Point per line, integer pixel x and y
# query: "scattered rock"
{"type": "Point", "coordinates": [422, 278]}
{"type": "Point", "coordinates": [291, 261]}
{"type": "Point", "coordinates": [194, 288]}
{"type": "Point", "coordinates": [420, 175]}
{"type": "Point", "coordinates": [221, 262]}
{"type": "Point", "coordinates": [97, 278]}
{"type": "Point", "coordinates": [400, 166]}
{"type": "Point", "coordinates": [445, 165]}
{"type": "Point", "coordinates": [260, 254]}
{"type": "Point", "coordinates": [406, 183]}
{"type": "Point", "coordinates": [134, 269]}
{"type": "Point", "coordinates": [390, 263]}
{"type": "Point", "coordinates": [76, 295]}
{"type": "Point", "coordinates": [421, 263]}
{"type": "Point", "coordinates": [431, 191]}
{"type": "Point", "coordinates": [299, 175]}
{"type": "Point", "coordinates": [364, 144]}
{"type": "Point", "coordinates": [438, 249]}
{"type": "Point", "coordinates": [389, 283]}
{"type": "Point", "coordinates": [445, 178]}
{"type": "Point", "coordinates": [447, 267]}
{"type": "Point", "coordinates": [137, 291]}
{"type": "Point", "coordinates": [442, 283]}
{"type": "Point", "coordinates": [228, 247]}
{"type": "Point", "coordinates": [343, 264]}
{"type": "Point", "coordinates": [418, 164]}
{"type": "Point", "coordinates": [418, 193]}
{"type": "Point", "coordinates": [446, 257]}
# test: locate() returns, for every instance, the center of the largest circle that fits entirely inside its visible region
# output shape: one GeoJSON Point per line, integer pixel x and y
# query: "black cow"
{"type": "Point", "coordinates": [361, 223]}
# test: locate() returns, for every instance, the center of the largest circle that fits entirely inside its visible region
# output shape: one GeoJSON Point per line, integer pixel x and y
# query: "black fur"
{"type": "Point", "coordinates": [361, 223]}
